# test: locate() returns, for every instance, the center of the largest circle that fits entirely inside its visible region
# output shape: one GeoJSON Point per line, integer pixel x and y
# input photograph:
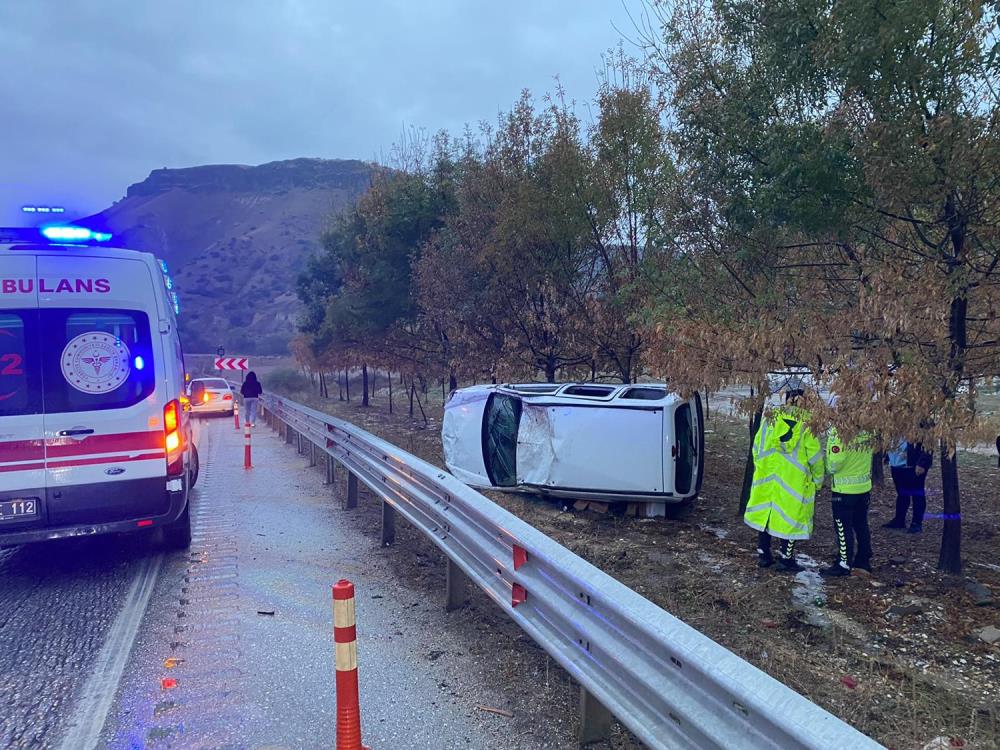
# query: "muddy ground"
{"type": "Point", "coordinates": [898, 654]}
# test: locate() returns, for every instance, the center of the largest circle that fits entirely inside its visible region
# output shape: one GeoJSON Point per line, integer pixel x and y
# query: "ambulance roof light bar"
{"type": "Point", "coordinates": [56, 234]}
{"type": "Point", "coordinates": [69, 233]}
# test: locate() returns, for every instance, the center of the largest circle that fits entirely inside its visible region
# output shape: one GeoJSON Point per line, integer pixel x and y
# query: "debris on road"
{"type": "Point", "coordinates": [497, 711]}
{"type": "Point", "coordinates": [990, 634]}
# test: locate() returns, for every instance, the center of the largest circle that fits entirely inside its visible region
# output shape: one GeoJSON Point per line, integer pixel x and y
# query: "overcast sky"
{"type": "Point", "coordinates": [96, 93]}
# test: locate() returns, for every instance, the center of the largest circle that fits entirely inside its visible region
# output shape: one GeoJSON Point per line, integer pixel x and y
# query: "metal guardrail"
{"type": "Point", "coordinates": [671, 686]}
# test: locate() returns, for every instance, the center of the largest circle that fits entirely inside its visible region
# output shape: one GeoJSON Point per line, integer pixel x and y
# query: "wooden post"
{"type": "Point", "coordinates": [351, 501]}
{"type": "Point", "coordinates": [455, 586]}
{"type": "Point", "coordinates": [595, 720]}
{"type": "Point", "coordinates": [388, 524]}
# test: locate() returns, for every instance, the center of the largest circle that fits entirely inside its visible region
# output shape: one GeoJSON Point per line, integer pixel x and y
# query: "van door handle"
{"type": "Point", "coordinates": [76, 433]}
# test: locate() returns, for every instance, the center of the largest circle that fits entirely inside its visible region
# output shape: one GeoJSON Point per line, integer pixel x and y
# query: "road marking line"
{"type": "Point", "coordinates": [98, 694]}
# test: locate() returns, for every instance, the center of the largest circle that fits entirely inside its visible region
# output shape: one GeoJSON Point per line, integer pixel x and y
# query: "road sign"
{"type": "Point", "coordinates": [232, 363]}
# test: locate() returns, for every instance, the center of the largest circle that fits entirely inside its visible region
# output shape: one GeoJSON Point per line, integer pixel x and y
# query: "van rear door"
{"type": "Point", "coordinates": [22, 446]}
{"type": "Point", "coordinates": [104, 391]}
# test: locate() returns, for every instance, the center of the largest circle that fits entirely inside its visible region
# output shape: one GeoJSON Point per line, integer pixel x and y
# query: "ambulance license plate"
{"type": "Point", "coordinates": [15, 509]}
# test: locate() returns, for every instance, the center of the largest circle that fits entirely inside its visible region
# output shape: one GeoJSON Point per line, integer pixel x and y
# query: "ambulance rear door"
{"type": "Point", "coordinates": [22, 447]}
{"type": "Point", "coordinates": [104, 388]}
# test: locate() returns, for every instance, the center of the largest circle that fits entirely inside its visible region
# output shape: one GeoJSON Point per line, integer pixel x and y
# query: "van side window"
{"type": "Point", "coordinates": [593, 391]}
{"type": "Point", "coordinates": [95, 359]}
{"type": "Point", "coordinates": [645, 394]}
{"type": "Point", "coordinates": [20, 371]}
{"type": "Point", "coordinates": [502, 418]}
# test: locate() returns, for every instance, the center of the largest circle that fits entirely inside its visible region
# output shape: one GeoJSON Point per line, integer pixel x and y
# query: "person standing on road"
{"type": "Point", "coordinates": [250, 390]}
{"type": "Point", "coordinates": [788, 467]}
{"type": "Point", "coordinates": [909, 464]}
{"type": "Point", "coordinates": [850, 467]}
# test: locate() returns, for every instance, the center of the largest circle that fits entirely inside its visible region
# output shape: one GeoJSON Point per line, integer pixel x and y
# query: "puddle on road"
{"type": "Point", "coordinates": [809, 593]}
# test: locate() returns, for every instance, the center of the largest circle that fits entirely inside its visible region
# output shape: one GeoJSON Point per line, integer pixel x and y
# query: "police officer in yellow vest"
{"type": "Point", "coordinates": [788, 468]}
{"type": "Point", "coordinates": [850, 467]}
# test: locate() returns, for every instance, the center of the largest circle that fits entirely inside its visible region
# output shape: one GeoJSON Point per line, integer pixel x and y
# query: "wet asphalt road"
{"type": "Point", "coordinates": [239, 626]}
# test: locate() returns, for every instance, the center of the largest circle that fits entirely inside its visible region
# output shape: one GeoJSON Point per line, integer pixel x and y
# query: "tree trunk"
{"type": "Point", "coordinates": [322, 385]}
{"type": "Point", "coordinates": [550, 370]}
{"type": "Point", "coordinates": [950, 559]}
{"type": "Point", "coordinates": [390, 391]}
{"type": "Point", "coordinates": [452, 382]}
{"type": "Point", "coordinates": [754, 425]}
{"type": "Point", "coordinates": [364, 384]}
{"type": "Point", "coordinates": [878, 468]}
{"type": "Point", "coordinates": [444, 396]}
{"type": "Point", "coordinates": [340, 387]}
{"type": "Point", "coordinates": [421, 407]}
{"type": "Point", "coordinates": [374, 388]}
{"type": "Point", "coordinates": [413, 388]}
{"type": "Point", "coordinates": [347, 379]}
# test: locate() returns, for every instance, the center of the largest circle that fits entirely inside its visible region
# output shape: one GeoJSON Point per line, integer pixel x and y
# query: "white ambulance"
{"type": "Point", "coordinates": [93, 435]}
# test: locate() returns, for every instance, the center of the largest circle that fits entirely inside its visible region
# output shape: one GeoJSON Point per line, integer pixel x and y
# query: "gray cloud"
{"type": "Point", "coordinates": [93, 95]}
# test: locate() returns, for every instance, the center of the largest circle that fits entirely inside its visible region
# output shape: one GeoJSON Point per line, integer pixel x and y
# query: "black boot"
{"type": "Point", "coordinates": [835, 571]}
{"type": "Point", "coordinates": [787, 562]}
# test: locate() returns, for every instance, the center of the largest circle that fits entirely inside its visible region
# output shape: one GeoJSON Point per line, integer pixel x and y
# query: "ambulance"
{"type": "Point", "coordinates": [93, 435]}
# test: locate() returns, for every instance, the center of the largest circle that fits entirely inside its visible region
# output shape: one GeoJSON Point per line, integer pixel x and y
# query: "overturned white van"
{"type": "Point", "coordinates": [613, 443]}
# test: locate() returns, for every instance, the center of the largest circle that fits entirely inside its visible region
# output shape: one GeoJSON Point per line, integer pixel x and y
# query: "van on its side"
{"type": "Point", "coordinates": [617, 443]}
{"type": "Point", "coordinates": [93, 435]}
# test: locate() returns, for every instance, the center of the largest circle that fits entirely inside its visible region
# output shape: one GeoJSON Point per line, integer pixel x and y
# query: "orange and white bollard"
{"type": "Point", "coordinates": [345, 637]}
{"type": "Point", "coordinates": [236, 414]}
{"type": "Point", "coordinates": [246, 447]}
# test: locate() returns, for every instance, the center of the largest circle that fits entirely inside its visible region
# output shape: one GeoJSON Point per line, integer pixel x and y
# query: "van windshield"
{"type": "Point", "coordinates": [685, 449]}
{"type": "Point", "coordinates": [503, 416]}
{"type": "Point", "coordinates": [95, 359]}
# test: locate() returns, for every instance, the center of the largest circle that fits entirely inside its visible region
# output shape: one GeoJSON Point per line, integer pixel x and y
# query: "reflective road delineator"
{"type": "Point", "coordinates": [236, 414]}
{"type": "Point", "coordinates": [346, 644]}
{"type": "Point", "coordinates": [246, 447]}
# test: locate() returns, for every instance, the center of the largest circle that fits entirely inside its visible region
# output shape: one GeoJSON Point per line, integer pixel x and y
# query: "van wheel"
{"type": "Point", "coordinates": [177, 535]}
{"type": "Point", "coordinates": [195, 465]}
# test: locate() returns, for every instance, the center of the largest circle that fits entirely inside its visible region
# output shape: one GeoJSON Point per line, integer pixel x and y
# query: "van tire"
{"type": "Point", "coordinates": [195, 466]}
{"type": "Point", "coordinates": [177, 535]}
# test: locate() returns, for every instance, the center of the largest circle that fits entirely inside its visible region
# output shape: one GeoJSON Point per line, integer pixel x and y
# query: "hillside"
{"type": "Point", "coordinates": [235, 238]}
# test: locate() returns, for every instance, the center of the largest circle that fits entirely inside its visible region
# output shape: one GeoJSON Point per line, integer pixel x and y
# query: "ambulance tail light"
{"type": "Point", "coordinates": [172, 439]}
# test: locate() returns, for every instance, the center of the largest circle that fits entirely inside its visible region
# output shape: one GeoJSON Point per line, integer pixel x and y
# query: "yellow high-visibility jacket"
{"type": "Point", "coordinates": [788, 468]}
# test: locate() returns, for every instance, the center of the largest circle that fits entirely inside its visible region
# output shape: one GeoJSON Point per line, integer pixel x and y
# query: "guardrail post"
{"type": "Point", "coordinates": [351, 501]}
{"type": "Point", "coordinates": [289, 432]}
{"type": "Point", "coordinates": [595, 720]}
{"type": "Point", "coordinates": [298, 443]}
{"type": "Point", "coordinates": [388, 524]}
{"type": "Point", "coordinates": [455, 582]}
{"type": "Point", "coordinates": [331, 473]}
{"type": "Point", "coordinates": [312, 453]}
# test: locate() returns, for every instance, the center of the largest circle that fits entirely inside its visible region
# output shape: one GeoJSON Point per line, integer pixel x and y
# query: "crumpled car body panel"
{"type": "Point", "coordinates": [601, 449]}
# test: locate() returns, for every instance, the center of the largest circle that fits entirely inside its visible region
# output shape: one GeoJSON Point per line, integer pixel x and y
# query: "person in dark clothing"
{"type": "Point", "coordinates": [250, 390]}
{"type": "Point", "coordinates": [909, 464]}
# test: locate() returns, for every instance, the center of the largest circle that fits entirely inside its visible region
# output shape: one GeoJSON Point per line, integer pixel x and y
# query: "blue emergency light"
{"type": "Point", "coordinates": [67, 233]}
